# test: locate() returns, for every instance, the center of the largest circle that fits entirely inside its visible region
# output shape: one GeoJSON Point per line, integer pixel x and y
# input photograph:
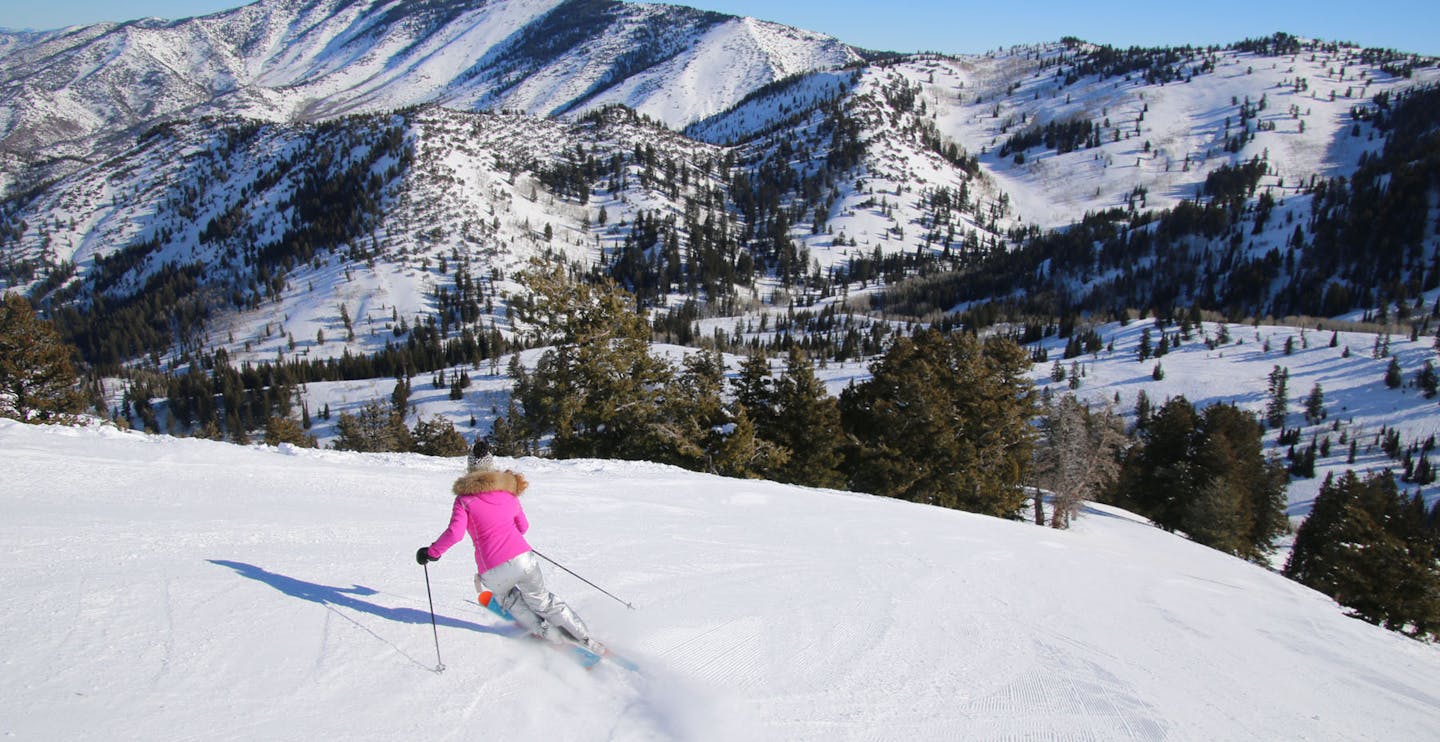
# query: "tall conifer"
{"type": "Point", "coordinates": [37, 379]}
{"type": "Point", "coordinates": [808, 424]}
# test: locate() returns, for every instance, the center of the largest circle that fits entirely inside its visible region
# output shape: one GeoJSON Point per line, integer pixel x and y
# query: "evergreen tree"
{"type": "Point", "coordinates": [944, 419]}
{"type": "Point", "coordinates": [1302, 462]}
{"type": "Point", "coordinates": [37, 379]}
{"type": "Point", "coordinates": [1143, 410]}
{"type": "Point", "coordinates": [694, 412]}
{"type": "Point", "coordinates": [1392, 374]}
{"type": "Point", "coordinates": [236, 428]}
{"type": "Point", "coordinates": [754, 389]}
{"type": "Point", "coordinates": [1315, 405]}
{"type": "Point", "coordinates": [1279, 393]}
{"type": "Point", "coordinates": [598, 391]}
{"type": "Point", "coordinates": [1206, 474]}
{"type": "Point", "coordinates": [507, 438]}
{"type": "Point", "coordinates": [756, 394]}
{"type": "Point", "coordinates": [1369, 548]}
{"type": "Point", "coordinates": [285, 430]}
{"type": "Point", "coordinates": [1158, 475]}
{"type": "Point", "coordinates": [808, 425]}
{"type": "Point", "coordinates": [400, 396]}
{"type": "Point", "coordinates": [1231, 457]}
{"type": "Point", "coordinates": [741, 452]}
{"type": "Point", "coordinates": [438, 437]}
{"type": "Point", "coordinates": [1428, 380]}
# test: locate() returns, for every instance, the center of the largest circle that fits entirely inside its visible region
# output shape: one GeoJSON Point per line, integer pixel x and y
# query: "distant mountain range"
{"type": "Point", "coordinates": [256, 179]}
{"type": "Point", "coordinates": [306, 60]}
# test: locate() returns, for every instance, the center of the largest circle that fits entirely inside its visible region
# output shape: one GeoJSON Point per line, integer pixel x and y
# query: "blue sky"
{"type": "Point", "coordinates": [956, 26]}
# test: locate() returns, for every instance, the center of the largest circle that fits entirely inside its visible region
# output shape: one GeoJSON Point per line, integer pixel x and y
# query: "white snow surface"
{"type": "Point", "coordinates": [161, 588]}
{"type": "Point", "coordinates": [722, 67]}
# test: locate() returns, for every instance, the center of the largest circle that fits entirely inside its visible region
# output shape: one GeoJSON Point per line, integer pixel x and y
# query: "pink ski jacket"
{"type": "Point", "coordinates": [487, 506]}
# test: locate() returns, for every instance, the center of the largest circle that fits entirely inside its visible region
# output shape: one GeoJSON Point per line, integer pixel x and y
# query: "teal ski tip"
{"type": "Point", "coordinates": [622, 661]}
{"type": "Point", "coordinates": [585, 657]}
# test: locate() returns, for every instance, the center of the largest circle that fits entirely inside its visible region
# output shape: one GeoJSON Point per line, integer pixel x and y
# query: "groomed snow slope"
{"type": "Point", "coordinates": [158, 588]}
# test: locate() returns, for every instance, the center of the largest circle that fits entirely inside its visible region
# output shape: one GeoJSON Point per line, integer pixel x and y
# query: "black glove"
{"type": "Point", "coordinates": [422, 557]}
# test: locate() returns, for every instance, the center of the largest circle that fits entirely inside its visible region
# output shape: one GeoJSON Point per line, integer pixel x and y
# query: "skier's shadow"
{"type": "Point", "coordinates": [341, 597]}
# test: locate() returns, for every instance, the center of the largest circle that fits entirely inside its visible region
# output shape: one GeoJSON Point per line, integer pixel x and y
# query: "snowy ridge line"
{"type": "Point", "coordinates": [283, 61]}
{"type": "Point", "coordinates": [477, 181]}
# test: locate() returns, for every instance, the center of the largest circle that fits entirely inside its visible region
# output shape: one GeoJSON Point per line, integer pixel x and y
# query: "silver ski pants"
{"type": "Point", "coordinates": [520, 588]}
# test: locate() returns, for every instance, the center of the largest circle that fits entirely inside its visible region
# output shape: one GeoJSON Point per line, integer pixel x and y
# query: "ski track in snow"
{"type": "Point", "coordinates": [182, 589]}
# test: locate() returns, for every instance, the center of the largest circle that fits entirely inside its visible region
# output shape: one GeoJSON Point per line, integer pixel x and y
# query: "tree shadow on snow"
{"type": "Point", "coordinates": [333, 597]}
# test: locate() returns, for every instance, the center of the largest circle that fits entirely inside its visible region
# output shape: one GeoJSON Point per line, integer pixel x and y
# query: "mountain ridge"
{"type": "Point", "coordinates": [282, 61]}
{"type": "Point", "coordinates": [948, 159]}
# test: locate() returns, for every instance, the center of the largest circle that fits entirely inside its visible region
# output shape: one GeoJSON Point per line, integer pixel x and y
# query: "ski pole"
{"type": "Point", "coordinates": [582, 579]}
{"type": "Point", "coordinates": [439, 666]}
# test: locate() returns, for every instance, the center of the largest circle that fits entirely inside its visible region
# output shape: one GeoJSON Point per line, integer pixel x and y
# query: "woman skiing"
{"type": "Point", "coordinates": [487, 506]}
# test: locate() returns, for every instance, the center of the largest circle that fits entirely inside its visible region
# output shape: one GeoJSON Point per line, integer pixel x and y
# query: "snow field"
{"type": "Point", "coordinates": [1357, 402]}
{"type": "Point", "coordinates": [177, 589]}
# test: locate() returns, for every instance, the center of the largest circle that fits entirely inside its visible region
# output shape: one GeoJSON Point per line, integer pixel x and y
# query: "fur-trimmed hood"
{"type": "Point", "coordinates": [490, 481]}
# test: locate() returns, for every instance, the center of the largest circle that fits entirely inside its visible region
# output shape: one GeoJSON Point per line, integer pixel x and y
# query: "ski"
{"type": "Point", "coordinates": [585, 657]}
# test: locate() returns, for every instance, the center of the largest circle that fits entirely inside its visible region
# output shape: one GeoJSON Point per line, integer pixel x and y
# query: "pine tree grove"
{"type": "Point", "coordinates": [1205, 473]}
{"type": "Point", "coordinates": [945, 420]}
{"type": "Point", "coordinates": [1374, 550]}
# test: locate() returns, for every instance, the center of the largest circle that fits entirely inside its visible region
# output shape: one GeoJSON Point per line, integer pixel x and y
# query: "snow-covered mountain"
{"type": "Point", "coordinates": [1150, 134]}
{"type": "Point", "coordinates": [165, 588]}
{"type": "Point", "coordinates": [64, 92]}
{"type": "Point", "coordinates": [923, 156]}
{"type": "Point", "coordinates": [376, 213]}
{"type": "Point", "coordinates": [1150, 141]}
{"type": "Point", "coordinates": [880, 192]}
